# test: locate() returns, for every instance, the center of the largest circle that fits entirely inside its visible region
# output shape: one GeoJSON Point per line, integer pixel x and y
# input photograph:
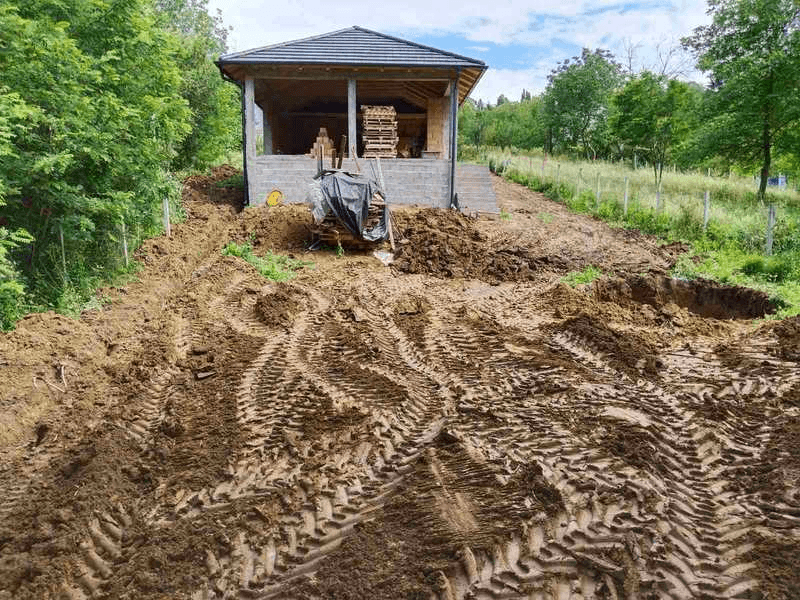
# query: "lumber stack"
{"type": "Point", "coordinates": [331, 232]}
{"type": "Point", "coordinates": [379, 131]}
{"type": "Point", "coordinates": [324, 143]}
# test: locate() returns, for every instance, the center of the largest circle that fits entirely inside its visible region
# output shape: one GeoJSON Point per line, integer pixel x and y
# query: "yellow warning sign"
{"type": "Point", "coordinates": [275, 197]}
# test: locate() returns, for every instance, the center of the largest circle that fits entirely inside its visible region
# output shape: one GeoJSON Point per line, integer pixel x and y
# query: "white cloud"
{"type": "Point", "coordinates": [510, 83]}
{"type": "Point", "coordinates": [533, 23]}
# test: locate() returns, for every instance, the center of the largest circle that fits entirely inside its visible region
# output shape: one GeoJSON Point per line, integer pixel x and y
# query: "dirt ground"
{"type": "Point", "coordinates": [457, 425]}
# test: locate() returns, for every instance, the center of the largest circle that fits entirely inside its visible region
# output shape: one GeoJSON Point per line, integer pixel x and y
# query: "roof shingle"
{"type": "Point", "coordinates": [352, 46]}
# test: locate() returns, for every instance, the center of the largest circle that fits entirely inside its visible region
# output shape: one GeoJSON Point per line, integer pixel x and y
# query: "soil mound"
{"type": "Point", "coordinates": [279, 306]}
{"type": "Point", "coordinates": [446, 244]}
{"type": "Point", "coordinates": [699, 296]}
{"type": "Point", "coordinates": [626, 351]}
{"type": "Point", "coordinates": [283, 227]}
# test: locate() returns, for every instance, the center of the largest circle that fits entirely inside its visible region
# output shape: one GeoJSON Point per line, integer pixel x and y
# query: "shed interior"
{"type": "Point", "coordinates": [294, 110]}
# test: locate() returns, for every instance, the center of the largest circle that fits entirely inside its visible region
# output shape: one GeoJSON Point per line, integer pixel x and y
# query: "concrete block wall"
{"type": "Point", "coordinates": [408, 181]}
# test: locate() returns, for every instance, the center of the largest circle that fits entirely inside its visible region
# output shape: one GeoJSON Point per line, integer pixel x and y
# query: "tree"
{"type": "Point", "coordinates": [214, 104]}
{"type": "Point", "coordinates": [751, 51]}
{"type": "Point", "coordinates": [577, 98]}
{"type": "Point", "coordinates": [652, 115]}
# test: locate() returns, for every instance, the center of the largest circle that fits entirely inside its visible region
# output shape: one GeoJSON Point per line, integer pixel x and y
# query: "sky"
{"type": "Point", "coordinates": [520, 40]}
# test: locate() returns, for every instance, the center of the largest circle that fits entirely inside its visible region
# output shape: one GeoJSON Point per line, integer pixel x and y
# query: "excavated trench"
{"type": "Point", "coordinates": [458, 426]}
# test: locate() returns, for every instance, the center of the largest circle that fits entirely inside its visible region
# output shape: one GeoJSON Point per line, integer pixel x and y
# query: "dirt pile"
{"type": "Point", "coordinates": [282, 227]}
{"type": "Point", "coordinates": [446, 244]}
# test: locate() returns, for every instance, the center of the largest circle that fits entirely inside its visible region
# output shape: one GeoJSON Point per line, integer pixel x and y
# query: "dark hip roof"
{"type": "Point", "coordinates": [350, 47]}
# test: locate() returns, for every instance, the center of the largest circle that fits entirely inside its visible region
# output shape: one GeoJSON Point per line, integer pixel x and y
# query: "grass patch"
{"type": "Point", "coordinates": [234, 181]}
{"type": "Point", "coordinates": [272, 266]}
{"type": "Point", "coordinates": [505, 216]}
{"type": "Point", "coordinates": [587, 275]}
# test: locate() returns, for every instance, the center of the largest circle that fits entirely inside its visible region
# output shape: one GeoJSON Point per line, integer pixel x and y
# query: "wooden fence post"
{"type": "Point", "coordinates": [558, 176]}
{"type": "Point", "coordinates": [543, 161]}
{"type": "Point", "coordinates": [580, 182]}
{"type": "Point", "coordinates": [597, 188]}
{"type": "Point", "coordinates": [124, 244]}
{"type": "Point", "coordinates": [167, 227]}
{"type": "Point", "coordinates": [706, 207]}
{"type": "Point", "coordinates": [770, 226]}
{"type": "Point", "coordinates": [658, 197]}
{"type": "Point", "coordinates": [625, 199]}
{"type": "Point", "coordinates": [63, 254]}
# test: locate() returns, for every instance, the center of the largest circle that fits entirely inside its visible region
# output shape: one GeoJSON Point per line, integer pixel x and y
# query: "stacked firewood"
{"type": "Point", "coordinates": [323, 143]}
{"type": "Point", "coordinates": [330, 231]}
{"type": "Point", "coordinates": [379, 131]}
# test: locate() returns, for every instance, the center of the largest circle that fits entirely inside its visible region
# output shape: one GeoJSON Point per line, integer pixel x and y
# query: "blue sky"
{"type": "Point", "coordinates": [520, 40]}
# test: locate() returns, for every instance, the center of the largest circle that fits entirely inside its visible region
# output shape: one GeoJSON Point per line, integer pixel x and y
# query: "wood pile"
{"type": "Point", "coordinates": [331, 232]}
{"type": "Point", "coordinates": [379, 131]}
{"type": "Point", "coordinates": [322, 142]}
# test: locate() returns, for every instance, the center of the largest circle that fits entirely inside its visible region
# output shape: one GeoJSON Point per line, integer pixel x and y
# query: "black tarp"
{"type": "Point", "coordinates": [348, 197]}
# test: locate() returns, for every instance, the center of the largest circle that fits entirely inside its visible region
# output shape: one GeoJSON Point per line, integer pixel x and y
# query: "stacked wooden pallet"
{"type": "Point", "coordinates": [379, 131]}
{"type": "Point", "coordinates": [324, 143]}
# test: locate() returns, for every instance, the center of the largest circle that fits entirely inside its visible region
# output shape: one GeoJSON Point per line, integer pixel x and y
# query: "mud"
{"type": "Point", "coordinates": [459, 426]}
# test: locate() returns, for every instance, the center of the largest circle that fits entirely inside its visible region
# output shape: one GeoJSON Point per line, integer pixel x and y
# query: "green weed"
{"type": "Point", "coordinates": [587, 275]}
{"type": "Point", "coordinates": [272, 266]}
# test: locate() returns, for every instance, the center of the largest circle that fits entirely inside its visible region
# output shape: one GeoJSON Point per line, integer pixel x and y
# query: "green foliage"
{"type": "Point", "coordinates": [272, 266]}
{"type": "Point", "coordinates": [214, 104]}
{"type": "Point", "coordinates": [576, 102]}
{"type": "Point", "coordinates": [653, 115]}
{"type": "Point", "coordinates": [508, 124]}
{"type": "Point", "coordinates": [234, 181]}
{"type": "Point", "coordinates": [587, 275]}
{"type": "Point", "coordinates": [752, 52]}
{"type": "Point", "coordinates": [98, 102]}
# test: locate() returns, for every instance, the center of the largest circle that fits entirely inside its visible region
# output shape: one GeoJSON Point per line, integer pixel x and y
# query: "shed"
{"type": "Point", "coordinates": [314, 91]}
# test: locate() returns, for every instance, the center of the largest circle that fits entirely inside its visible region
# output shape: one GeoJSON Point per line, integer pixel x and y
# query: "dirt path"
{"type": "Point", "coordinates": [459, 426]}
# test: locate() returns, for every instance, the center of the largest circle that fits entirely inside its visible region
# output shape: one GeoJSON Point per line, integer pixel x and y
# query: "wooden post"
{"type": "Point", "coordinates": [597, 189]}
{"type": "Point", "coordinates": [635, 162]}
{"type": "Point", "coordinates": [165, 206]}
{"type": "Point", "coordinates": [351, 116]}
{"type": "Point", "coordinates": [625, 199]}
{"type": "Point", "coordinates": [706, 207]}
{"type": "Point", "coordinates": [770, 227]}
{"type": "Point", "coordinates": [558, 176]}
{"type": "Point", "coordinates": [342, 150]}
{"type": "Point", "coordinates": [543, 161]}
{"type": "Point", "coordinates": [708, 174]}
{"type": "Point", "coordinates": [63, 254]}
{"type": "Point", "coordinates": [658, 197]}
{"type": "Point", "coordinates": [124, 244]}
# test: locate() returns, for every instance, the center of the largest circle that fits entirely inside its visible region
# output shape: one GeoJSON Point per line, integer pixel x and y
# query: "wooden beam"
{"type": "Point", "coordinates": [351, 118]}
{"type": "Point", "coordinates": [257, 71]}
